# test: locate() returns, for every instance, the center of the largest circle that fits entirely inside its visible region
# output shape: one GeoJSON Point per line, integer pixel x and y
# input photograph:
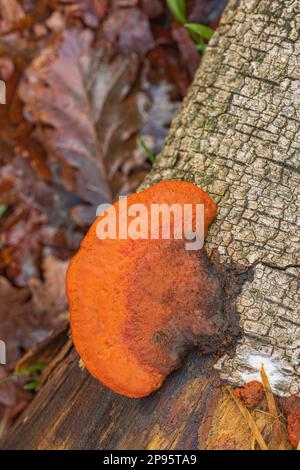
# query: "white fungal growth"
{"type": "Point", "coordinates": [272, 367]}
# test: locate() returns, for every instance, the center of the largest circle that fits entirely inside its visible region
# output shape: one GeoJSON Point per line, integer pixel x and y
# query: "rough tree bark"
{"type": "Point", "coordinates": [237, 136]}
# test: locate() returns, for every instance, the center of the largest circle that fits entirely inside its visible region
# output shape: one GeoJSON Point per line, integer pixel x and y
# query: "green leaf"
{"type": "Point", "coordinates": [3, 208]}
{"type": "Point", "coordinates": [34, 368]}
{"type": "Point", "coordinates": [200, 30]}
{"type": "Point", "coordinates": [24, 372]}
{"type": "Point", "coordinates": [177, 7]}
{"type": "Point", "coordinates": [146, 149]}
{"type": "Point", "coordinates": [31, 385]}
{"type": "Point", "coordinates": [201, 47]}
{"type": "Point", "coordinates": [14, 376]}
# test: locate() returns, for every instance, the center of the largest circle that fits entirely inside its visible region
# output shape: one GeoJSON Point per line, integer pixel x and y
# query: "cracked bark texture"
{"type": "Point", "coordinates": [238, 137]}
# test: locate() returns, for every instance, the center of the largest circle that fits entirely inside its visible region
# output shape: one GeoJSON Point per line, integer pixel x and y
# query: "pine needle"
{"type": "Point", "coordinates": [4, 422]}
{"type": "Point", "coordinates": [250, 421]}
{"type": "Point", "coordinates": [269, 394]}
{"type": "Point", "coordinates": [252, 441]}
{"type": "Point", "coordinates": [277, 440]}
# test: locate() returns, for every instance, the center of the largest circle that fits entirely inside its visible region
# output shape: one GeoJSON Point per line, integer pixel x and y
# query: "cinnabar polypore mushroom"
{"type": "Point", "coordinates": [291, 408]}
{"type": "Point", "coordinates": [250, 394]}
{"type": "Point", "coordinates": [137, 306]}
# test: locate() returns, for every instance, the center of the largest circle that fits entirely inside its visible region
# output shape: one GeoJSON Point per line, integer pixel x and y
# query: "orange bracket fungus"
{"type": "Point", "coordinates": [139, 304]}
{"type": "Point", "coordinates": [291, 409]}
{"type": "Point", "coordinates": [250, 394]}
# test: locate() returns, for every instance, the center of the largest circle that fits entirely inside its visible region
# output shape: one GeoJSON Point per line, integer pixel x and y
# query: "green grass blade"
{"type": "Point", "coordinates": [146, 149]}
{"type": "Point", "coordinates": [31, 385]}
{"type": "Point", "coordinates": [177, 7]}
{"type": "Point", "coordinates": [3, 208]}
{"type": "Point", "coordinates": [201, 47]}
{"type": "Point", "coordinates": [24, 372]}
{"type": "Point", "coordinates": [200, 29]}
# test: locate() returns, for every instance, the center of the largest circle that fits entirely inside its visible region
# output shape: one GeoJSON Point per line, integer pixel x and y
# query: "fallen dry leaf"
{"type": "Point", "coordinates": [94, 115]}
{"type": "Point", "coordinates": [57, 91]}
{"type": "Point", "coordinates": [56, 22]}
{"type": "Point", "coordinates": [35, 218]}
{"type": "Point", "coordinates": [129, 30]}
{"type": "Point", "coordinates": [21, 243]}
{"type": "Point", "coordinates": [27, 199]}
{"type": "Point", "coordinates": [152, 9]}
{"type": "Point", "coordinates": [49, 296]}
{"type": "Point", "coordinates": [206, 11]}
{"type": "Point", "coordinates": [11, 12]}
{"type": "Point", "coordinates": [45, 350]}
{"type": "Point", "coordinates": [158, 115]}
{"type": "Point", "coordinates": [18, 328]}
{"type": "Point", "coordinates": [90, 11]}
{"type": "Point", "coordinates": [189, 54]}
{"type": "Point", "coordinates": [27, 316]}
{"type": "Point", "coordinates": [13, 400]}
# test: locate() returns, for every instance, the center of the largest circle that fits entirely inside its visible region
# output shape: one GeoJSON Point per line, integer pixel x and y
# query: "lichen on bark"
{"type": "Point", "coordinates": [238, 137]}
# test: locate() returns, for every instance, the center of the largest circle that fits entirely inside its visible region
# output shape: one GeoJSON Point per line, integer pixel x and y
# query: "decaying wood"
{"type": "Point", "coordinates": [237, 136]}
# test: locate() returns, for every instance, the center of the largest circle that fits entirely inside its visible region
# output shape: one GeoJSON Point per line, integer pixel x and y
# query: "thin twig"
{"type": "Point", "coordinates": [277, 439]}
{"type": "Point", "coordinates": [252, 441]}
{"type": "Point", "coordinates": [269, 394]}
{"type": "Point", "coordinates": [250, 421]}
{"type": "Point", "coordinates": [4, 422]}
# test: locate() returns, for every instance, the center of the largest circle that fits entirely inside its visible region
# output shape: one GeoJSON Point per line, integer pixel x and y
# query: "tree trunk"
{"type": "Point", "coordinates": [237, 136]}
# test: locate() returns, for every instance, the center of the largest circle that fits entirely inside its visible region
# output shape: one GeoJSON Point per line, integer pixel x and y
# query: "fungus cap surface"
{"type": "Point", "coordinates": [137, 306]}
